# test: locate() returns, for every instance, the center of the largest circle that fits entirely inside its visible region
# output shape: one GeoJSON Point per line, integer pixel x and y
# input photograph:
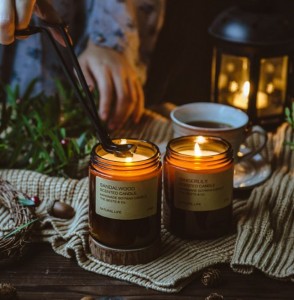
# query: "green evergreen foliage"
{"type": "Point", "coordinates": [289, 113]}
{"type": "Point", "coordinates": [50, 135]}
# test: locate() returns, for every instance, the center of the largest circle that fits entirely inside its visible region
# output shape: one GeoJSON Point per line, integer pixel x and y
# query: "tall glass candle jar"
{"type": "Point", "coordinates": [198, 184]}
{"type": "Point", "coordinates": [125, 202]}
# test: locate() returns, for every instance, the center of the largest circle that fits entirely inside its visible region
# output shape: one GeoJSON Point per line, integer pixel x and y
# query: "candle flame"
{"type": "Point", "coordinates": [246, 89]}
{"type": "Point", "coordinates": [241, 99]}
{"type": "Point", "coordinates": [200, 139]}
{"type": "Point", "coordinates": [270, 88]}
{"type": "Point", "coordinates": [197, 150]}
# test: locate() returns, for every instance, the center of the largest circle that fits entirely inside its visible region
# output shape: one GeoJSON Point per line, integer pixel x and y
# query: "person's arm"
{"type": "Point", "coordinates": [112, 31]}
{"type": "Point", "coordinates": [14, 15]}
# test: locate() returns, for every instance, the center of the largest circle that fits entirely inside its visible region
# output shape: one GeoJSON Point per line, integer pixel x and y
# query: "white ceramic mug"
{"type": "Point", "coordinates": [215, 119]}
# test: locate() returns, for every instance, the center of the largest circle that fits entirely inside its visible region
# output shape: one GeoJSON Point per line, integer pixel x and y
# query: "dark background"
{"type": "Point", "coordinates": [181, 64]}
{"type": "Point", "coordinates": [180, 68]}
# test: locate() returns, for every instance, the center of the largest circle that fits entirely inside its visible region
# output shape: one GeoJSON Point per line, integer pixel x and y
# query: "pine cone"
{"type": "Point", "coordinates": [7, 291]}
{"type": "Point", "coordinates": [211, 277]}
{"type": "Point", "coordinates": [214, 296]}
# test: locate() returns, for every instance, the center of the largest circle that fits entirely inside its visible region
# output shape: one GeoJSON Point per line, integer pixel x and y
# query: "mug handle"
{"type": "Point", "coordinates": [250, 152]}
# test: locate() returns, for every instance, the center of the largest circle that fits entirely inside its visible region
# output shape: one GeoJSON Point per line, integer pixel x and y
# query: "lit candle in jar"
{"type": "Point", "coordinates": [135, 158]}
{"type": "Point", "coordinates": [241, 98]}
{"type": "Point", "coordinates": [198, 184]}
{"type": "Point", "coordinates": [130, 159]}
{"type": "Point", "coordinates": [125, 196]}
{"type": "Point", "coordinates": [197, 149]}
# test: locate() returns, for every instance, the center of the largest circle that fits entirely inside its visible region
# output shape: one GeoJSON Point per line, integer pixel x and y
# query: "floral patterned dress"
{"type": "Point", "coordinates": [128, 26]}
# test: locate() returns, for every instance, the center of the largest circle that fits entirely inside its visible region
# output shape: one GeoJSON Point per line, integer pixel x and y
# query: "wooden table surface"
{"type": "Point", "coordinates": [43, 274]}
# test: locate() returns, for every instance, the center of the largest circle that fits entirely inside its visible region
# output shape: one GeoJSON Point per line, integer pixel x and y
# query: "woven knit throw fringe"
{"type": "Point", "coordinates": [261, 240]}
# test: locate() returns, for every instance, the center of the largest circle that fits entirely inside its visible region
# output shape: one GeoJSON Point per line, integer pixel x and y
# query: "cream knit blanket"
{"type": "Point", "coordinates": [265, 231]}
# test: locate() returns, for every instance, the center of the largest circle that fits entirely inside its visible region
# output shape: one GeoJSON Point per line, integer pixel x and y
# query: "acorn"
{"type": "Point", "coordinates": [211, 277]}
{"type": "Point", "coordinates": [214, 296]}
{"type": "Point", "coordinates": [7, 291]}
{"type": "Point", "coordinates": [62, 210]}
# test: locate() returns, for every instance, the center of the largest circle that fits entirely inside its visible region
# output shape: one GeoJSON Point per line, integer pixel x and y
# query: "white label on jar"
{"type": "Point", "coordinates": [124, 200]}
{"type": "Point", "coordinates": [203, 192]}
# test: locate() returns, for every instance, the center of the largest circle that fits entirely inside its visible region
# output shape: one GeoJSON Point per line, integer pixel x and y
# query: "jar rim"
{"type": "Point", "coordinates": [227, 147]}
{"type": "Point", "coordinates": [141, 145]}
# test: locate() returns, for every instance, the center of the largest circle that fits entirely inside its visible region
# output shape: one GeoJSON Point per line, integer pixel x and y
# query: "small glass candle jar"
{"type": "Point", "coordinates": [125, 197]}
{"type": "Point", "coordinates": [198, 184]}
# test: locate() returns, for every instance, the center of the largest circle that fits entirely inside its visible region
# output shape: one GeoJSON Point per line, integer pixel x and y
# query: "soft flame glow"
{"type": "Point", "coordinates": [241, 99]}
{"type": "Point", "coordinates": [246, 89]}
{"type": "Point", "coordinates": [200, 139]}
{"type": "Point", "coordinates": [270, 88]}
{"type": "Point", "coordinates": [129, 159]}
{"type": "Point", "coordinates": [233, 86]}
{"type": "Point", "coordinates": [197, 150]}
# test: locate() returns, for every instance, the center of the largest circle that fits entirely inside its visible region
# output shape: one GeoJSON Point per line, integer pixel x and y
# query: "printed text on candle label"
{"type": "Point", "coordinates": [126, 200]}
{"type": "Point", "coordinates": [203, 192]}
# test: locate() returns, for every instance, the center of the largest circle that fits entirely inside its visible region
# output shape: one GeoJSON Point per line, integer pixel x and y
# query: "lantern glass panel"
{"type": "Point", "coordinates": [233, 81]}
{"type": "Point", "coordinates": [272, 86]}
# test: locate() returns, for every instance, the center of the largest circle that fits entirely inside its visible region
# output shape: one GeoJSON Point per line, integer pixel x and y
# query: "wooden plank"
{"type": "Point", "coordinates": [43, 274]}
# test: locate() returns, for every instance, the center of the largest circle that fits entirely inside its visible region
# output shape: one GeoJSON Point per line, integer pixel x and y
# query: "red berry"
{"type": "Point", "coordinates": [64, 141]}
{"type": "Point", "coordinates": [36, 200]}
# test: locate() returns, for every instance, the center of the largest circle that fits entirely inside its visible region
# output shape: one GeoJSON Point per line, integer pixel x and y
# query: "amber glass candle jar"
{"type": "Point", "coordinates": [198, 184]}
{"type": "Point", "coordinates": [125, 196]}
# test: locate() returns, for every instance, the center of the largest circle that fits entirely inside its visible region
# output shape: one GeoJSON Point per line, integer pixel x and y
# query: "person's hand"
{"type": "Point", "coordinates": [121, 94]}
{"type": "Point", "coordinates": [16, 15]}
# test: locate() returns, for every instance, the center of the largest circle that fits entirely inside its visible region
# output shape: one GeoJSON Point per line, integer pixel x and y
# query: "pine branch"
{"type": "Point", "coordinates": [42, 133]}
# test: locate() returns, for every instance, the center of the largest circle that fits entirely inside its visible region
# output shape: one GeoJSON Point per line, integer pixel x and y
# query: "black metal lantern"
{"type": "Point", "coordinates": [253, 59]}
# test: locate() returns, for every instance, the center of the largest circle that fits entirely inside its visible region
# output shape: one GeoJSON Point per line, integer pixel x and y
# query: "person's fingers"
{"type": "Point", "coordinates": [7, 22]}
{"type": "Point", "coordinates": [124, 102]}
{"type": "Point", "coordinates": [87, 73]}
{"type": "Point", "coordinates": [105, 86]}
{"type": "Point", "coordinates": [140, 101]}
{"type": "Point", "coordinates": [132, 91]}
{"type": "Point", "coordinates": [24, 10]}
{"type": "Point", "coordinates": [120, 91]}
{"type": "Point", "coordinates": [45, 11]}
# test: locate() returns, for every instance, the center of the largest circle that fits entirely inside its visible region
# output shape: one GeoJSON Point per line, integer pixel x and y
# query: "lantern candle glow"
{"type": "Point", "coordinates": [252, 61]}
{"type": "Point", "coordinates": [241, 99]}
